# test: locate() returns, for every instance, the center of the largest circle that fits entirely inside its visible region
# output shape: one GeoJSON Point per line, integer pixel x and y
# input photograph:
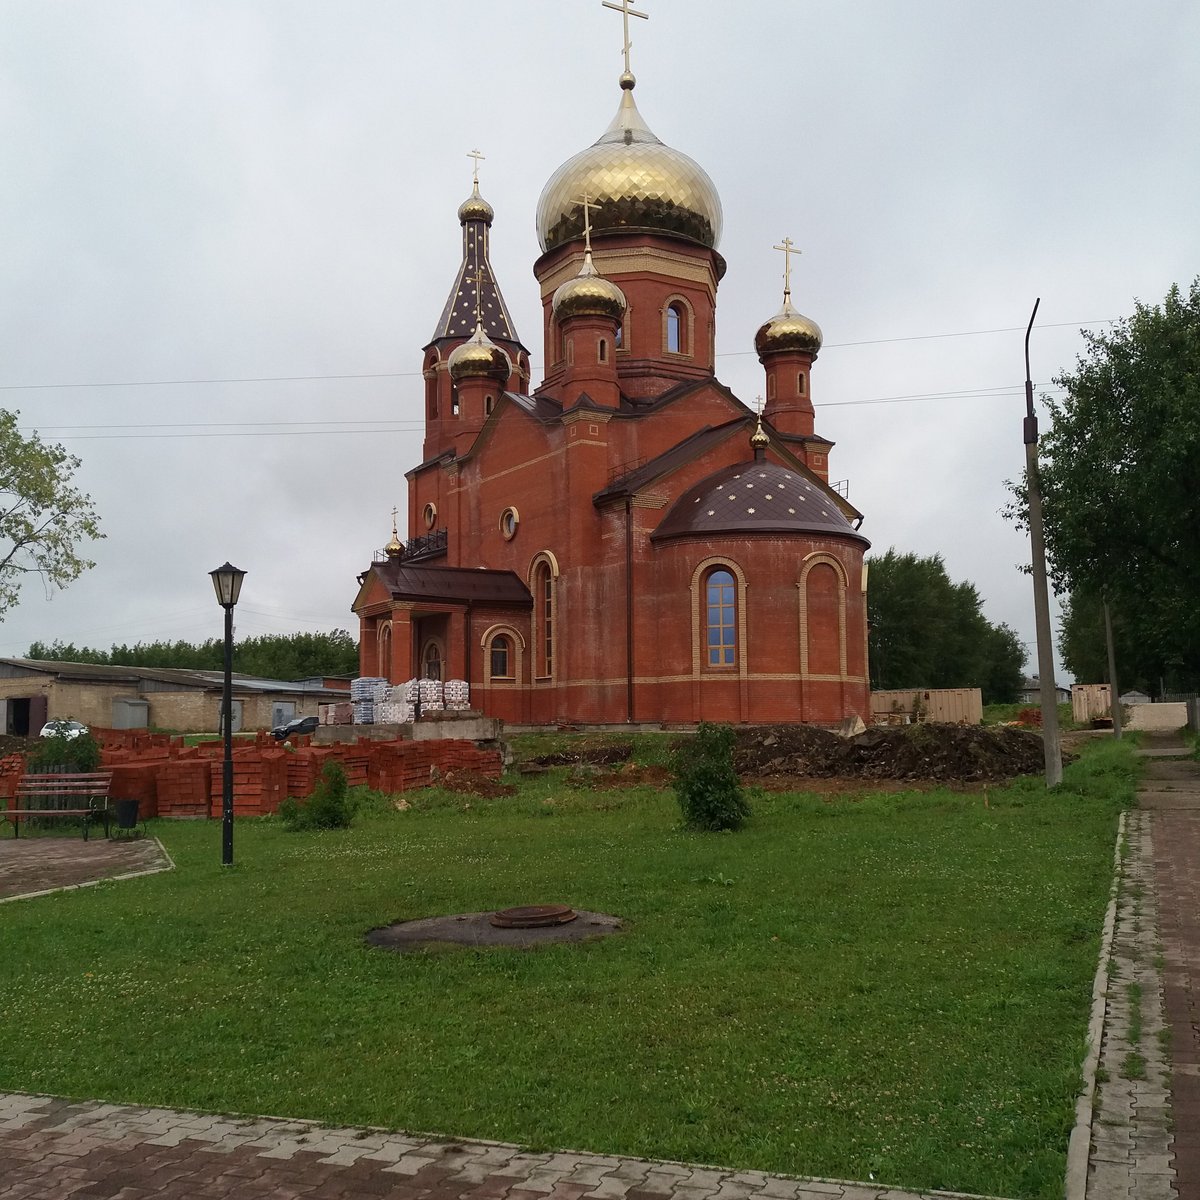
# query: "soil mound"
{"type": "Point", "coordinates": [594, 756]}
{"type": "Point", "coordinates": [950, 753]}
{"type": "Point", "coordinates": [472, 783]}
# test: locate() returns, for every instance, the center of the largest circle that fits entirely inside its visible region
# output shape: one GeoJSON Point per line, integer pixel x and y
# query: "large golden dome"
{"type": "Point", "coordinates": [633, 182]}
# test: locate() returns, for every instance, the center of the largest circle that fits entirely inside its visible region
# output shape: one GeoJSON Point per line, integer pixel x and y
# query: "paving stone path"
{"type": "Point", "coordinates": [1144, 1127]}
{"type": "Point", "coordinates": [33, 865]}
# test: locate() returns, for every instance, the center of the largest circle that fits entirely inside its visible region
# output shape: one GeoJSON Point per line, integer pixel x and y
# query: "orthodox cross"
{"type": "Point", "coordinates": [477, 279]}
{"type": "Point", "coordinates": [478, 159]}
{"type": "Point", "coordinates": [786, 246]}
{"type": "Point", "coordinates": [395, 513]}
{"type": "Point", "coordinates": [587, 223]}
{"type": "Point", "coordinates": [626, 12]}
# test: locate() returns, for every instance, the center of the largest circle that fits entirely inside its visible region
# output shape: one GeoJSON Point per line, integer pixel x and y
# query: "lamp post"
{"type": "Point", "coordinates": [227, 583]}
{"type": "Point", "coordinates": [1041, 592]}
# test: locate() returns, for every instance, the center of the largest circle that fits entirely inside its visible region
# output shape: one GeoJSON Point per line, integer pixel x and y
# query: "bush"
{"type": "Point", "coordinates": [706, 784]}
{"type": "Point", "coordinates": [329, 807]}
{"type": "Point", "coordinates": [80, 753]}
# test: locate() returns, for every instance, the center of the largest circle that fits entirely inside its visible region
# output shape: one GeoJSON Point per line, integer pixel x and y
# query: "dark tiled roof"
{"type": "Point", "coordinates": [104, 673]}
{"type": "Point", "coordinates": [453, 585]}
{"type": "Point", "coordinates": [458, 317]}
{"type": "Point", "coordinates": [756, 497]}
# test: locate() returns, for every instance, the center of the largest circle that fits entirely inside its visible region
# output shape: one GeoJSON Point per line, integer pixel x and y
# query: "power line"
{"type": "Point", "coordinates": [140, 383]}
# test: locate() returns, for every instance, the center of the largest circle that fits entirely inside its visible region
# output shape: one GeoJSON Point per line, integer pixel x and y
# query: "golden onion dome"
{"type": "Point", "coordinates": [475, 208]}
{"type": "Point", "coordinates": [788, 330]}
{"type": "Point", "coordinates": [633, 182]}
{"type": "Point", "coordinates": [479, 357]}
{"type": "Point", "coordinates": [589, 294]}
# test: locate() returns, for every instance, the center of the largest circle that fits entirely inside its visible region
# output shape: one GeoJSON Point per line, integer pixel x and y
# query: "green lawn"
{"type": "Point", "coordinates": [895, 986]}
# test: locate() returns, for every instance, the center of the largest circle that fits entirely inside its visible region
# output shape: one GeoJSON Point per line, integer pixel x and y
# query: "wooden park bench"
{"type": "Point", "coordinates": [79, 794]}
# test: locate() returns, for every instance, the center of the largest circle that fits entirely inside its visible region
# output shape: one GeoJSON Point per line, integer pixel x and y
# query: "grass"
{"type": "Point", "coordinates": [892, 986]}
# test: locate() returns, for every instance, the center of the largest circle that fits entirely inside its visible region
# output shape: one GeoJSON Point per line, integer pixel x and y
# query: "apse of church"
{"type": "Point", "coordinates": [627, 541]}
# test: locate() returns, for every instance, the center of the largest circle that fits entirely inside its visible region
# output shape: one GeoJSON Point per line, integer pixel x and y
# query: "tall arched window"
{"type": "Point", "coordinates": [431, 660]}
{"type": "Point", "coordinates": [676, 323]}
{"type": "Point", "coordinates": [720, 593]}
{"type": "Point", "coordinates": [454, 399]}
{"type": "Point", "coordinates": [501, 657]}
{"type": "Point", "coordinates": [543, 599]}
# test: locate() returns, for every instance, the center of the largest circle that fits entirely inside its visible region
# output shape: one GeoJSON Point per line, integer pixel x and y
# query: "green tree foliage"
{"type": "Point", "coordinates": [1120, 477]}
{"type": "Point", "coordinates": [329, 807]}
{"type": "Point", "coordinates": [80, 753]}
{"type": "Point", "coordinates": [927, 631]}
{"type": "Point", "coordinates": [43, 519]}
{"type": "Point", "coordinates": [1140, 666]}
{"type": "Point", "coordinates": [271, 656]}
{"type": "Point", "coordinates": [706, 785]}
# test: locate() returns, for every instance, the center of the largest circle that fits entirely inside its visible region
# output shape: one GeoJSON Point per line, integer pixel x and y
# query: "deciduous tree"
{"type": "Point", "coordinates": [927, 631]}
{"type": "Point", "coordinates": [1120, 477]}
{"type": "Point", "coordinates": [43, 518]}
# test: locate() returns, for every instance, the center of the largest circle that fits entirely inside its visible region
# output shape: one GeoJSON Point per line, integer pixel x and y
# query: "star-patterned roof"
{"type": "Point", "coordinates": [458, 317]}
{"type": "Point", "coordinates": [756, 497]}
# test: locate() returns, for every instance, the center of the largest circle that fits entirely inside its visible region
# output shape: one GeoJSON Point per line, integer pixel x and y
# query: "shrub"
{"type": "Point", "coordinates": [80, 753]}
{"type": "Point", "coordinates": [329, 807]}
{"type": "Point", "coordinates": [706, 784]}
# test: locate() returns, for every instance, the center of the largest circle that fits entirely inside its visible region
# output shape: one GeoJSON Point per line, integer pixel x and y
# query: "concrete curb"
{"type": "Point", "coordinates": [1079, 1146]}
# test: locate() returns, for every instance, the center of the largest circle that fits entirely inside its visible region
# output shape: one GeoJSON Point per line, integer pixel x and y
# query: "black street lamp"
{"type": "Point", "coordinates": [227, 582]}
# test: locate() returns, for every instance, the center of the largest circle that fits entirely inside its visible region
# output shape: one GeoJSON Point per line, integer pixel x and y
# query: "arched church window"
{"type": "Point", "coordinates": [431, 660]}
{"type": "Point", "coordinates": [543, 596]}
{"type": "Point", "coordinates": [489, 402]}
{"type": "Point", "coordinates": [720, 592]}
{"type": "Point", "coordinates": [770, 387]}
{"type": "Point", "coordinates": [501, 657]}
{"type": "Point", "coordinates": [801, 384]}
{"type": "Point", "coordinates": [619, 337]}
{"type": "Point", "coordinates": [602, 350]}
{"type": "Point", "coordinates": [675, 328]}
{"type": "Point", "coordinates": [454, 399]}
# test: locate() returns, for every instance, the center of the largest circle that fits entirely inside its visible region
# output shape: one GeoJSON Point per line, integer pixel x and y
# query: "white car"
{"type": "Point", "coordinates": [66, 729]}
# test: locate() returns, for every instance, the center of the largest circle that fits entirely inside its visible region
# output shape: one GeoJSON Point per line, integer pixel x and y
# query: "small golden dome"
{"type": "Point", "coordinates": [394, 548]}
{"type": "Point", "coordinates": [475, 208]}
{"type": "Point", "coordinates": [635, 182]}
{"type": "Point", "coordinates": [589, 294]}
{"type": "Point", "coordinates": [788, 330]}
{"type": "Point", "coordinates": [479, 357]}
{"type": "Point", "coordinates": [759, 438]}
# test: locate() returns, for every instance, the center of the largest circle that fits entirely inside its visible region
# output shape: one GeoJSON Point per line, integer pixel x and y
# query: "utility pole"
{"type": "Point", "coordinates": [1041, 592]}
{"type": "Point", "coordinates": [1114, 705]}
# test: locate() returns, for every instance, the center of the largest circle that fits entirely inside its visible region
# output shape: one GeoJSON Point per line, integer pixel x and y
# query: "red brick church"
{"type": "Point", "coordinates": [627, 541]}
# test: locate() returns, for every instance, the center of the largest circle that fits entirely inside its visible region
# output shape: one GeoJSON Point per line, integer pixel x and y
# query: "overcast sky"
{"type": "Point", "coordinates": [213, 191]}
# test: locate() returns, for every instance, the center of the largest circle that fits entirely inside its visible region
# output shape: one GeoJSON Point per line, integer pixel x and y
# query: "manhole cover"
{"type": "Point", "coordinates": [533, 916]}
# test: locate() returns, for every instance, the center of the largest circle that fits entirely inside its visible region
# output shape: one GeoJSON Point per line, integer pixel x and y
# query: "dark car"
{"type": "Point", "coordinates": [296, 728]}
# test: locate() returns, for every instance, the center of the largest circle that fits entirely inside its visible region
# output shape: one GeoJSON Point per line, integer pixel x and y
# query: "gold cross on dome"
{"type": "Point", "coordinates": [626, 12]}
{"type": "Point", "coordinates": [787, 247]}
{"type": "Point", "coordinates": [395, 514]}
{"type": "Point", "coordinates": [478, 159]}
{"type": "Point", "coordinates": [587, 223]}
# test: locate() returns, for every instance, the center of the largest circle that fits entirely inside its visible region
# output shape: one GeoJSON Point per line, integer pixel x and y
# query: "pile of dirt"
{"type": "Point", "coordinates": [950, 753]}
{"type": "Point", "coordinates": [610, 755]}
{"type": "Point", "coordinates": [472, 783]}
{"type": "Point", "coordinates": [586, 775]}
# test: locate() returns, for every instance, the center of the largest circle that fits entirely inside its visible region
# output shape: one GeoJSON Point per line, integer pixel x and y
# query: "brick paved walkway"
{"type": "Point", "coordinates": [1171, 795]}
{"type": "Point", "coordinates": [31, 865]}
{"type": "Point", "coordinates": [51, 1149]}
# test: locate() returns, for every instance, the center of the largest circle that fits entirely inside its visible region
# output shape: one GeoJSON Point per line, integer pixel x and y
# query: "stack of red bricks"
{"type": "Point", "coordinates": [169, 779]}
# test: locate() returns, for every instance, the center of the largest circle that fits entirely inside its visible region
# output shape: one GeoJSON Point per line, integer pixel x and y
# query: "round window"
{"type": "Point", "coordinates": [509, 520]}
{"type": "Point", "coordinates": [430, 515]}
